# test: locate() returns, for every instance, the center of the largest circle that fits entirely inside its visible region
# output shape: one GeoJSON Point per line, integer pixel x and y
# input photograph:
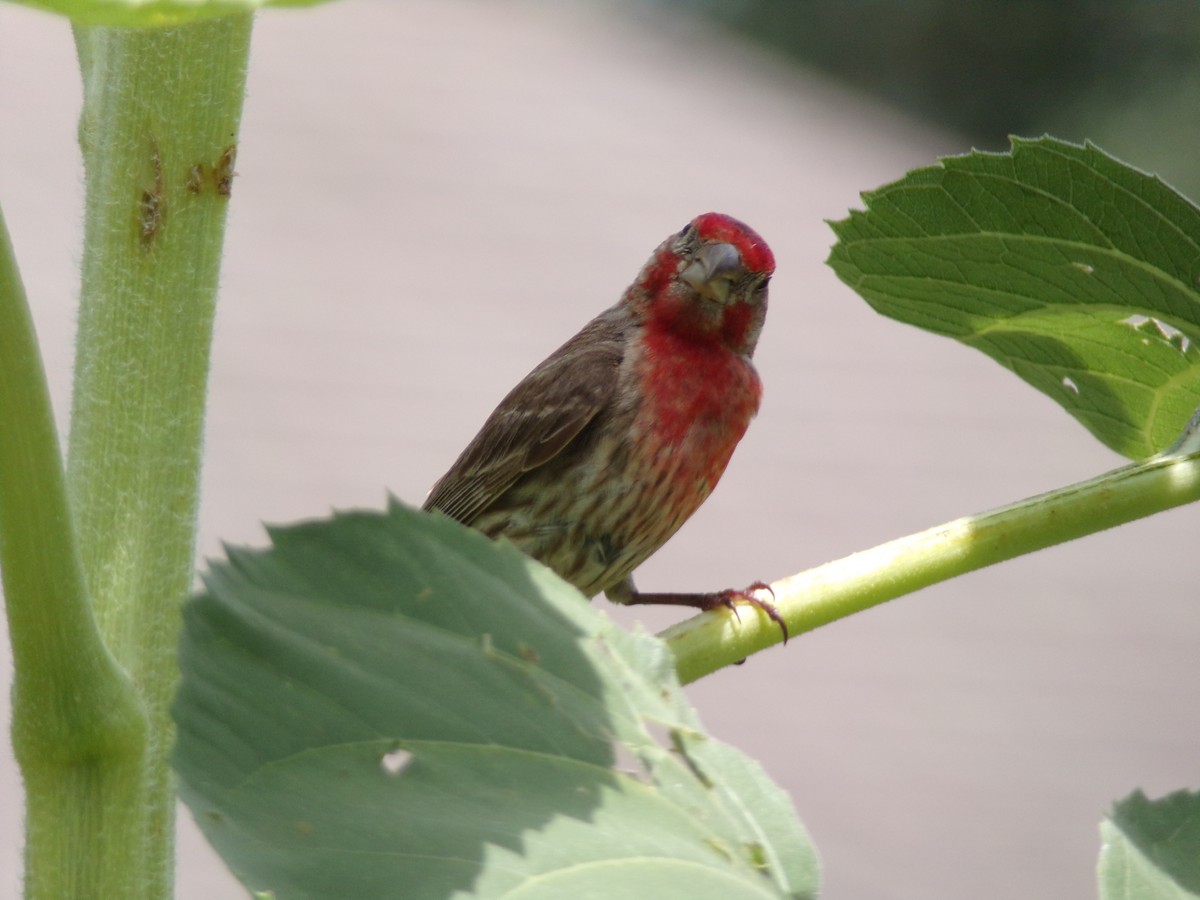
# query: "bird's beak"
{"type": "Point", "coordinates": [712, 269]}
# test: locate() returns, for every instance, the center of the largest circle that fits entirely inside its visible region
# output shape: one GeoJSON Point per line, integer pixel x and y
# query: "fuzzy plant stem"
{"type": "Point", "coordinates": [93, 681]}
{"type": "Point", "coordinates": [707, 642]}
{"type": "Point", "coordinates": [78, 730]}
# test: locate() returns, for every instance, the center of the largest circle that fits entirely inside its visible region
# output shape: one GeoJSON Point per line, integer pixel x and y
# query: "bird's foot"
{"type": "Point", "coordinates": [731, 596]}
{"type": "Point", "coordinates": [726, 599]}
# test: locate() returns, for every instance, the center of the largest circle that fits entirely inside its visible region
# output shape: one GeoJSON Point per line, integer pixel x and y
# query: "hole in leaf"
{"type": "Point", "coordinates": [659, 733]}
{"type": "Point", "coordinates": [395, 761]}
{"type": "Point", "coordinates": [1070, 385]}
{"type": "Point", "coordinates": [1170, 332]}
{"type": "Point", "coordinates": [1083, 267]}
{"type": "Point", "coordinates": [629, 763]}
{"type": "Point", "coordinates": [1157, 328]}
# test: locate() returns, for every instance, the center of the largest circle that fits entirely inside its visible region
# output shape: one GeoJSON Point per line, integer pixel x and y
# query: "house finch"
{"type": "Point", "coordinates": [604, 450]}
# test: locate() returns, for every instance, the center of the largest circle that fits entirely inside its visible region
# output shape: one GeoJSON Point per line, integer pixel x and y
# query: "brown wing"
{"type": "Point", "coordinates": [538, 418]}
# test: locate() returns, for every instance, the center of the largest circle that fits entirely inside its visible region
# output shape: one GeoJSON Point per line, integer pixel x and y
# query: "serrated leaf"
{"type": "Point", "coordinates": [153, 13]}
{"type": "Point", "coordinates": [1151, 848]}
{"type": "Point", "coordinates": [1051, 259]}
{"type": "Point", "coordinates": [390, 705]}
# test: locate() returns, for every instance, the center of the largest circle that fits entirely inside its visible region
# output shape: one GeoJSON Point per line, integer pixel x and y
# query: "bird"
{"type": "Point", "coordinates": [599, 455]}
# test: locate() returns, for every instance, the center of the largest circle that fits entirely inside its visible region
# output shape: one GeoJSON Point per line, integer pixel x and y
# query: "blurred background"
{"type": "Point", "coordinates": [1124, 75]}
{"type": "Point", "coordinates": [433, 194]}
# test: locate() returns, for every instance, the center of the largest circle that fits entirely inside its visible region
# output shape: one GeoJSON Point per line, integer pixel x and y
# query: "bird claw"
{"type": "Point", "coordinates": [727, 598]}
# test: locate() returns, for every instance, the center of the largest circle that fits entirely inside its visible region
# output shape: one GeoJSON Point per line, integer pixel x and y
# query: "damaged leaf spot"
{"type": "Point", "coordinates": [151, 209]}
{"type": "Point", "coordinates": [218, 176]}
{"type": "Point", "coordinates": [395, 761]}
{"type": "Point", "coordinates": [223, 171]}
{"type": "Point", "coordinates": [1083, 267]}
{"type": "Point", "coordinates": [1157, 329]}
{"type": "Point", "coordinates": [628, 763]}
{"type": "Point", "coordinates": [1070, 385]}
{"type": "Point", "coordinates": [195, 179]}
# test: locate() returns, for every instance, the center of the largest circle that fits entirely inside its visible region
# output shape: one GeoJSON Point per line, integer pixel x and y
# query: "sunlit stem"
{"type": "Point", "coordinates": [838, 589]}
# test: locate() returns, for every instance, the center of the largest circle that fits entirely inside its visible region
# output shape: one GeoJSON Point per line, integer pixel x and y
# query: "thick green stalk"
{"type": "Point", "coordinates": [78, 730]}
{"type": "Point", "coordinates": [158, 131]}
{"type": "Point", "coordinates": [832, 591]}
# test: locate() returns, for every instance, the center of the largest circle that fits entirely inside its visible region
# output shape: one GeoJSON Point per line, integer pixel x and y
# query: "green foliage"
{"type": "Point", "coordinates": [1072, 269]}
{"type": "Point", "coordinates": [388, 704]}
{"type": "Point", "coordinates": [153, 13]}
{"type": "Point", "coordinates": [1152, 848]}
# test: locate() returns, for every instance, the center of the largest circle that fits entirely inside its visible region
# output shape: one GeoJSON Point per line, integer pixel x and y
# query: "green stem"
{"type": "Point", "coordinates": [160, 120]}
{"type": "Point", "coordinates": [838, 589]}
{"type": "Point", "coordinates": [78, 730]}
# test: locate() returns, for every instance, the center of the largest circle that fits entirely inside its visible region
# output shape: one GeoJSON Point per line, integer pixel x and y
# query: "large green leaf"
{"type": "Point", "coordinates": [389, 705]}
{"type": "Point", "coordinates": [1072, 269]}
{"type": "Point", "coordinates": [1151, 848]}
{"type": "Point", "coordinates": [153, 13]}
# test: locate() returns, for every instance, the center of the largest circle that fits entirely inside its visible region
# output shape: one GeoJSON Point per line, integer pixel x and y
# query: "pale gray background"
{"type": "Point", "coordinates": [432, 195]}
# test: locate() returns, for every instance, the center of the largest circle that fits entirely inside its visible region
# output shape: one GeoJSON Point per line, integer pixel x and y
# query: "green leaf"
{"type": "Point", "coordinates": [1068, 267]}
{"type": "Point", "coordinates": [391, 705]}
{"type": "Point", "coordinates": [1151, 848]}
{"type": "Point", "coordinates": [153, 13]}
